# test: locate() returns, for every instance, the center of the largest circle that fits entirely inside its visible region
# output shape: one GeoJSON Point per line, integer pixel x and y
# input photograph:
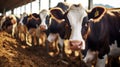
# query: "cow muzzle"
{"type": "Point", "coordinates": [43, 27]}
{"type": "Point", "coordinates": [75, 45]}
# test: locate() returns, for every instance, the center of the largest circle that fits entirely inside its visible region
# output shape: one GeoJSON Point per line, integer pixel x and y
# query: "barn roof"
{"type": "Point", "coordinates": [11, 4]}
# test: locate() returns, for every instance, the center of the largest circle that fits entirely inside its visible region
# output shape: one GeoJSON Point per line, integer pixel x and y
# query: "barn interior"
{"type": "Point", "coordinates": [13, 53]}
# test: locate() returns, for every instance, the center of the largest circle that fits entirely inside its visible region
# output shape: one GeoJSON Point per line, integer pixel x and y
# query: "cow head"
{"type": "Point", "coordinates": [8, 21]}
{"type": "Point", "coordinates": [32, 20]}
{"type": "Point", "coordinates": [75, 15]}
{"type": "Point", "coordinates": [58, 24]}
{"type": "Point", "coordinates": [44, 19]}
{"type": "Point", "coordinates": [80, 20]}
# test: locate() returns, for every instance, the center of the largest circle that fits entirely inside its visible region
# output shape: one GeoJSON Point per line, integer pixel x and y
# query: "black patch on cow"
{"type": "Point", "coordinates": [32, 23]}
{"type": "Point", "coordinates": [7, 23]}
{"type": "Point", "coordinates": [47, 20]}
{"type": "Point", "coordinates": [57, 13]}
{"type": "Point", "coordinates": [63, 6]}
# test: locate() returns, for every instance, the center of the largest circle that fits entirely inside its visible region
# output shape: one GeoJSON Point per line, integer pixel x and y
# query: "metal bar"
{"type": "Point", "coordinates": [90, 4]}
{"type": "Point", "coordinates": [49, 4]}
{"type": "Point", "coordinates": [39, 4]}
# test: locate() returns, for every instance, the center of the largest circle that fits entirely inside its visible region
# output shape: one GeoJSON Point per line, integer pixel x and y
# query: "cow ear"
{"type": "Point", "coordinates": [57, 13]}
{"type": "Point", "coordinates": [97, 13]}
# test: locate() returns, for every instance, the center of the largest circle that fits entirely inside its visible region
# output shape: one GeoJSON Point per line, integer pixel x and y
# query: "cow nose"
{"type": "Point", "coordinates": [42, 27]}
{"type": "Point", "coordinates": [75, 44]}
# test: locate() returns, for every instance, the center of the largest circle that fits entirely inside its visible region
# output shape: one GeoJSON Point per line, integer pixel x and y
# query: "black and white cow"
{"type": "Point", "coordinates": [9, 23]}
{"type": "Point", "coordinates": [92, 32]}
{"type": "Point", "coordinates": [27, 28]}
{"type": "Point", "coordinates": [53, 31]}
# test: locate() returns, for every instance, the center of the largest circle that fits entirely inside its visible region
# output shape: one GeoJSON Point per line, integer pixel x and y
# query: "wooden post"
{"type": "Point", "coordinates": [90, 4]}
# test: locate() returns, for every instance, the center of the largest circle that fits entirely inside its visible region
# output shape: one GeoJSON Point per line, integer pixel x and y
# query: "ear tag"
{"type": "Point", "coordinates": [96, 13]}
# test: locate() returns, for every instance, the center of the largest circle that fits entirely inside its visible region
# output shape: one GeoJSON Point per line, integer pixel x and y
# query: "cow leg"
{"type": "Point", "coordinates": [28, 39]}
{"type": "Point", "coordinates": [61, 43]}
{"type": "Point", "coordinates": [13, 29]}
{"type": "Point", "coordinates": [34, 41]}
{"type": "Point", "coordinates": [44, 39]}
{"type": "Point", "coordinates": [52, 38]}
{"type": "Point", "coordinates": [101, 62]}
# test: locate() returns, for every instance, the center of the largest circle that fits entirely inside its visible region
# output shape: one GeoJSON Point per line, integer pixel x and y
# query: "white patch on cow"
{"type": "Point", "coordinates": [114, 50]}
{"type": "Point", "coordinates": [22, 17]}
{"type": "Point", "coordinates": [90, 56]}
{"type": "Point", "coordinates": [14, 25]}
{"type": "Point", "coordinates": [43, 15]}
{"type": "Point", "coordinates": [13, 29]}
{"type": "Point", "coordinates": [52, 37]}
{"type": "Point", "coordinates": [101, 62]}
{"type": "Point", "coordinates": [21, 21]}
{"type": "Point", "coordinates": [75, 16]}
{"type": "Point", "coordinates": [61, 42]}
{"type": "Point", "coordinates": [2, 21]}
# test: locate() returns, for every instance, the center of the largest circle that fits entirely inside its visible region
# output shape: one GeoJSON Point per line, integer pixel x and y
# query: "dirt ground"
{"type": "Point", "coordinates": [14, 53]}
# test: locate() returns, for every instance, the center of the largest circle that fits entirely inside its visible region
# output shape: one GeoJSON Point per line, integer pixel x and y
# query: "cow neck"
{"type": "Point", "coordinates": [88, 31]}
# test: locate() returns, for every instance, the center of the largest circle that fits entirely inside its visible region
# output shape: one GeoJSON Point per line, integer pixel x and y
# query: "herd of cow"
{"type": "Point", "coordinates": [69, 29]}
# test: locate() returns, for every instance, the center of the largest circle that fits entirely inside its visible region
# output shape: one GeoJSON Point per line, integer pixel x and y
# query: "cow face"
{"type": "Point", "coordinates": [8, 21]}
{"type": "Point", "coordinates": [31, 21]}
{"type": "Point", "coordinates": [75, 15]}
{"type": "Point", "coordinates": [44, 19]}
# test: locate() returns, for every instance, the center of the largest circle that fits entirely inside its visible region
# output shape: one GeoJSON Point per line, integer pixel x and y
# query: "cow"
{"type": "Point", "coordinates": [91, 32]}
{"type": "Point", "coordinates": [9, 24]}
{"type": "Point", "coordinates": [53, 36]}
{"type": "Point", "coordinates": [104, 26]}
{"type": "Point", "coordinates": [26, 26]}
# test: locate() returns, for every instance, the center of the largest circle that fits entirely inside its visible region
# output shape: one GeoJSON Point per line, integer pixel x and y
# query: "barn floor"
{"type": "Point", "coordinates": [16, 54]}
